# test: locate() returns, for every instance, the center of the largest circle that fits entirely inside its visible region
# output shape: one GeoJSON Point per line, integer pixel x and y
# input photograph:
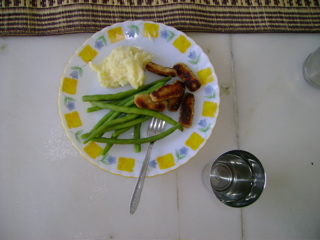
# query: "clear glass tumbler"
{"type": "Point", "coordinates": [311, 69]}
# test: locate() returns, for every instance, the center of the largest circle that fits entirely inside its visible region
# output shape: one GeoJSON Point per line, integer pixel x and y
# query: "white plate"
{"type": "Point", "coordinates": [169, 46]}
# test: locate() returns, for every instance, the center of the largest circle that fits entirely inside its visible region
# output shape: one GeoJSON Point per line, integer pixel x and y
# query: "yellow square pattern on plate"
{"type": "Point", "coordinates": [88, 53]}
{"type": "Point", "coordinates": [194, 141]}
{"type": "Point", "coordinates": [69, 85]}
{"type": "Point", "coordinates": [166, 161]}
{"type": "Point", "coordinates": [151, 30]}
{"type": "Point", "coordinates": [115, 34]}
{"type": "Point", "coordinates": [182, 43]}
{"type": "Point", "coordinates": [73, 119]}
{"type": "Point", "coordinates": [205, 76]}
{"type": "Point", "coordinates": [126, 164]}
{"type": "Point", "coordinates": [209, 109]}
{"type": "Point", "coordinates": [93, 150]}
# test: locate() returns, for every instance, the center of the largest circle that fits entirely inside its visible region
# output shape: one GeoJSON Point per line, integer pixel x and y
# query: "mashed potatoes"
{"type": "Point", "coordinates": [124, 65]}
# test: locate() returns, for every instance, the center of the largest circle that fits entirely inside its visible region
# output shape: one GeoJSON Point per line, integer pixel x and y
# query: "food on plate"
{"type": "Point", "coordinates": [187, 110]}
{"type": "Point", "coordinates": [145, 101]}
{"type": "Point", "coordinates": [140, 140]}
{"type": "Point", "coordinates": [124, 94]}
{"type": "Point", "coordinates": [124, 65]}
{"type": "Point", "coordinates": [124, 115]}
{"type": "Point", "coordinates": [161, 70]}
{"type": "Point", "coordinates": [187, 76]}
{"type": "Point", "coordinates": [138, 111]}
{"type": "Point", "coordinates": [128, 101]}
{"type": "Point", "coordinates": [174, 103]}
{"type": "Point", "coordinates": [129, 109]}
{"type": "Point", "coordinates": [168, 91]}
{"type": "Point", "coordinates": [137, 135]}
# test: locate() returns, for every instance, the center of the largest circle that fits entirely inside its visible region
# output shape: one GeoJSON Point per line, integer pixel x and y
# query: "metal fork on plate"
{"type": "Point", "coordinates": [156, 126]}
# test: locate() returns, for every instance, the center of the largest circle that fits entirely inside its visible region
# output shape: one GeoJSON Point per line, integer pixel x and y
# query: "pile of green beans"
{"type": "Point", "coordinates": [124, 115]}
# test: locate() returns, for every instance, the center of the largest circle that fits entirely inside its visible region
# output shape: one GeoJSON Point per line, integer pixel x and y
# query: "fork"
{"type": "Point", "coordinates": [156, 126]}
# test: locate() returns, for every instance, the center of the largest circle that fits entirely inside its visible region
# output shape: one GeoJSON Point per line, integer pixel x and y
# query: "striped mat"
{"type": "Point", "coordinates": [52, 17]}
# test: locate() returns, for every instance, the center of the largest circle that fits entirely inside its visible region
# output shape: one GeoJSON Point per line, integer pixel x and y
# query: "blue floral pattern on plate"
{"type": "Point", "coordinates": [182, 152]}
{"type": "Point", "coordinates": [77, 135]}
{"type": "Point", "coordinates": [167, 34]}
{"type": "Point", "coordinates": [69, 102]}
{"type": "Point", "coordinates": [194, 57]}
{"type": "Point", "coordinates": [152, 164]}
{"type": "Point", "coordinates": [133, 31]}
{"type": "Point", "coordinates": [204, 126]}
{"type": "Point", "coordinates": [210, 92]}
{"type": "Point", "coordinates": [100, 42]}
{"type": "Point", "coordinates": [108, 159]}
{"type": "Point", "coordinates": [77, 71]}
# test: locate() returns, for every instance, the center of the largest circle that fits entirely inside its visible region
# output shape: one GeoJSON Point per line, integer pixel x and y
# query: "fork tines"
{"type": "Point", "coordinates": [156, 125]}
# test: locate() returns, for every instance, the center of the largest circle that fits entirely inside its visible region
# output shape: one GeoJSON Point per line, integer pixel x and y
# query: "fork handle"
{"type": "Point", "coordinates": [135, 199]}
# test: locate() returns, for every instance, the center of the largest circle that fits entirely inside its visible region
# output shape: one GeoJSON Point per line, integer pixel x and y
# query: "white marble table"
{"type": "Point", "coordinates": [48, 191]}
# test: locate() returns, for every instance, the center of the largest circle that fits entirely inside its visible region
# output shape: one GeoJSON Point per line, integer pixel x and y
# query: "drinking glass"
{"type": "Point", "coordinates": [311, 69]}
{"type": "Point", "coordinates": [237, 178]}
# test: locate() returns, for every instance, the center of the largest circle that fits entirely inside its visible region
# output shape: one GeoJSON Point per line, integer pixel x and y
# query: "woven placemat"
{"type": "Point", "coordinates": [52, 17]}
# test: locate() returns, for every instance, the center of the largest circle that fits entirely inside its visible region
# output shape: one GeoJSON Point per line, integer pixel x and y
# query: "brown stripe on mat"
{"type": "Point", "coordinates": [202, 20]}
{"type": "Point", "coordinates": [248, 3]}
{"type": "Point", "coordinates": [29, 17]}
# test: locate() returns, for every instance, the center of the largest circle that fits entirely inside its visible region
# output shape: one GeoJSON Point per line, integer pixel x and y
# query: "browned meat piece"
{"type": "Point", "coordinates": [187, 110]}
{"type": "Point", "coordinates": [187, 76]}
{"type": "Point", "coordinates": [168, 91]}
{"type": "Point", "coordinates": [174, 103]}
{"type": "Point", "coordinates": [144, 101]}
{"type": "Point", "coordinates": [161, 70]}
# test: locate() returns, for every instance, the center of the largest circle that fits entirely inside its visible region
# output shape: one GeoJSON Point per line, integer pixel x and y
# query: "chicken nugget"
{"type": "Point", "coordinates": [168, 91]}
{"type": "Point", "coordinates": [161, 70]}
{"type": "Point", "coordinates": [174, 103]}
{"type": "Point", "coordinates": [144, 101]}
{"type": "Point", "coordinates": [187, 110]}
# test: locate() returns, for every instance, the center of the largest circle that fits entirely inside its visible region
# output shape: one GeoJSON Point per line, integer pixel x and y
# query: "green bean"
{"type": "Point", "coordinates": [115, 135]}
{"type": "Point", "coordinates": [140, 140]}
{"type": "Point", "coordinates": [120, 95]}
{"type": "Point", "coordinates": [107, 147]}
{"type": "Point", "coordinates": [93, 109]}
{"type": "Point", "coordinates": [101, 129]}
{"type": "Point", "coordinates": [96, 108]}
{"type": "Point", "coordinates": [136, 135]}
{"type": "Point", "coordinates": [98, 124]}
{"type": "Point", "coordinates": [108, 116]}
{"type": "Point", "coordinates": [137, 111]}
{"type": "Point", "coordinates": [129, 101]}
{"type": "Point", "coordinates": [128, 124]}
{"type": "Point", "coordinates": [118, 132]}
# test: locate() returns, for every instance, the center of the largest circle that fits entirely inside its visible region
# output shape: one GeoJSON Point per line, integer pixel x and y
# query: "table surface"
{"type": "Point", "coordinates": [48, 191]}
